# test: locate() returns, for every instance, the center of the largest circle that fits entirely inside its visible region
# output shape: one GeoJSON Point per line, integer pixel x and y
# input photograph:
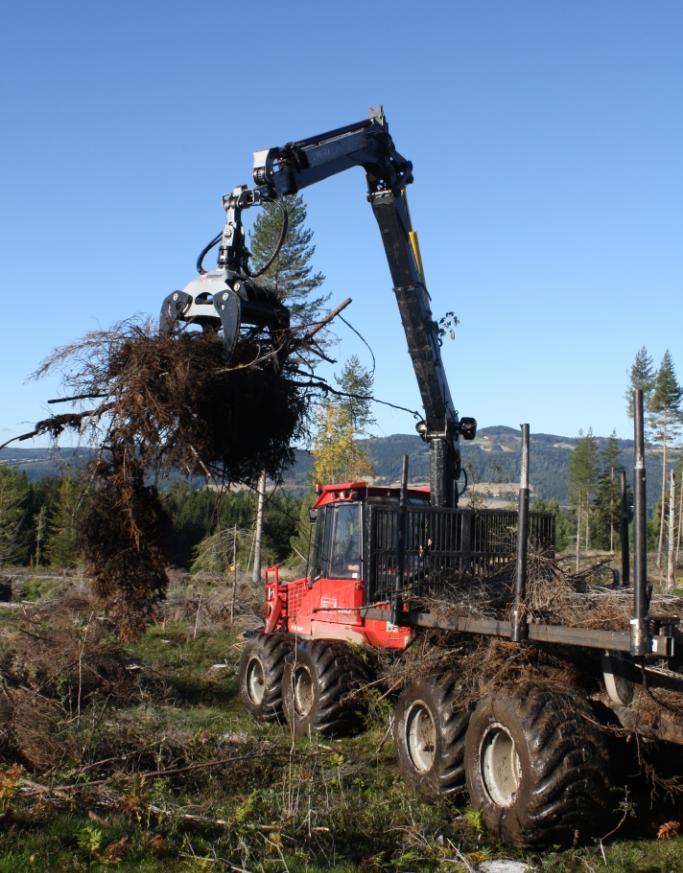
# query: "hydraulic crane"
{"type": "Point", "coordinates": [230, 296]}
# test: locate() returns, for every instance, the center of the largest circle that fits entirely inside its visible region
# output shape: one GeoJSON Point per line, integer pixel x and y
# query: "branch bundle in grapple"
{"type": "Point", "coordinates": [165, 403]}
{"type": "Point", "coordinates": [178, 405]}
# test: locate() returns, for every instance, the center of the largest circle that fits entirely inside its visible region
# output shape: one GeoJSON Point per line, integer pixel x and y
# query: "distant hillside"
{"type": "Point", "coordinates": [493, 457]}
{"type": "Point", "coordinates": [44, 463]}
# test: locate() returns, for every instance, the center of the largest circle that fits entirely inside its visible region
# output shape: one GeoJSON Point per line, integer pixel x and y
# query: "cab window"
{"type": "Point", "coordinates": [338, 542]}
{"type": "Point", "coordinates": [345, 557]}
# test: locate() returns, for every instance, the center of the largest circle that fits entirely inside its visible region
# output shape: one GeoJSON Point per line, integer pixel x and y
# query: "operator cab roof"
{"type": "Point", "coordinates": [355, 491]}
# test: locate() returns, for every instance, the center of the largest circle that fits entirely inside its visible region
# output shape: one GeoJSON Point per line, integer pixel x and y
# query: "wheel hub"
{"type": "Point", "coordinates": [304, 691]}
{"type": "Point", "coordinates": [501, 769]}
{"type": "Point", "coordinates": [256, 681]}
{"type": "Point", "coordinates": [420, 736]}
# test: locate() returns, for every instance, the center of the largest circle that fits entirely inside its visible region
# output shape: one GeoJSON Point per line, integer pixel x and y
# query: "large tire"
{"type": "Point", "coordinates": [429, 732]}
{"type": "Point", "coordinates": [537, 768]}
{"type": "Point", "coordinates": [318, 684]}
{"type": "Point", "coordinates": [260, 677]}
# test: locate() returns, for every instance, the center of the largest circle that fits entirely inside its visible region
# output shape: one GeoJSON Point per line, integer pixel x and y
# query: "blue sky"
{"type": "Point", "coordinates": [546, 139]}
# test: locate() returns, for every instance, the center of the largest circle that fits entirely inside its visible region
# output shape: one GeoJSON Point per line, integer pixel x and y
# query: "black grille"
{"type": "Point", "coordinates": [443, 545]}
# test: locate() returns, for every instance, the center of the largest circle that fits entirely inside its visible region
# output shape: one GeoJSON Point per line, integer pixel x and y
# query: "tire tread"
{"type": "Point", "coordinates": [568, 765]}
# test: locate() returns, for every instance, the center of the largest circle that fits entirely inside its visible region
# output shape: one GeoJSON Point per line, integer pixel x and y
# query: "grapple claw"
{"type": "Point", "coordinates": [222, 302]}
{"type": "Point", "coordinates": [229, 308]}
{"type": "Point", "coordinates": [172, 310]}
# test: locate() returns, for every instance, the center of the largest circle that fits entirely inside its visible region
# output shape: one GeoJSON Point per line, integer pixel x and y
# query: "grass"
{"type": "Point", "coordinates": [352, 818]}
{"type": "Point", "coordinates": [186, 659]}
{"type": "Point", "coordinates": [274, 805]}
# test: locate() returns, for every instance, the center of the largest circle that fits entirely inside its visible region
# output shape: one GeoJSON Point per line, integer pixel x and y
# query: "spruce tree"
{"type": "Point", "coordinates": [42, 499]}
{"type": "Point", "coordinates": [300, 542]}
{"type": "Point", "coordinates": [218, 552]}
{"type": "Point", "coordinates": [291, 276]}
{"type": "Point", "coordinates": [279, 524]}
{"type": "Point", "coordinates": [356, 382]}
{"type": "Point", "coordinates": [665, 415]}
{"type": "Point", "coordinates": [62, 544]}
{"type": "Point", "coordinates": [642, 375]}
{"type": "Point", "coordinates": [607, 495]}
{"type": "Point", "coordinates": [13, 501]}
{"type": "Point", "coordinates": [582, 476]}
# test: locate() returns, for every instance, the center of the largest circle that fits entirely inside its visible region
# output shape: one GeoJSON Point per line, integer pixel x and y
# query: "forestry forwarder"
{"type": "Point", "coordinates": [532, 755]}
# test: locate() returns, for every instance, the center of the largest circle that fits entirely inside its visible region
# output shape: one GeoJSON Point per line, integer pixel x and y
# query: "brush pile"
{"type": "Point", "coordinates": [585, 599]}
{"type": "Point", "coordinates": [483, 665]}
{"type": "Point", "coordinates": [73, 701]}
{"type": "Point", "coordinates": [162, 404]}
{"type": "Point", "coordinates": [56, 663]}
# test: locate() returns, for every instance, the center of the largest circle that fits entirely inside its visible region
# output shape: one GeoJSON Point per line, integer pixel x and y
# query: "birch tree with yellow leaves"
{"type": "Point", "coordinates": [338, 457]}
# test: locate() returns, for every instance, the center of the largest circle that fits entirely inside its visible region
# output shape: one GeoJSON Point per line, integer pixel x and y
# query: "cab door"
{"type": "Point", "coordinates": [337, 571]}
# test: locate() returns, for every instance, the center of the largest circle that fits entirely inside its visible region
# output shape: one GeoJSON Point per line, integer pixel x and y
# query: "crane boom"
{"type": "Point", "coordinates": [286, 170]}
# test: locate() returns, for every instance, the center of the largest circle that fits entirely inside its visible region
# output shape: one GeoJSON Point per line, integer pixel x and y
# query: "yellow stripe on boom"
{"type": "Point", "coordinates": [415, 246]}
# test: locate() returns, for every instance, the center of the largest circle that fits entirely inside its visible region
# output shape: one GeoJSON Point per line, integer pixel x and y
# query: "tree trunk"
{"type": "Point", "coordinates": [671, 532]}
{"type": "Point", "coordinates": [662, 516]}
{"type": "Point", "coordinates": [234, 574]}
{"type": "Point", "coordinates": [41, 528]}
{"type": "Point", "coordinates": [680, 521]}
{"type": "Point", "coordinates": [611, 510]}
{"type": "Point", "coordinates": [588, 522]}
{"type": "Point", "coordinates": [258, 529]}
{"type": "Point", "coordinates": [578, 533]}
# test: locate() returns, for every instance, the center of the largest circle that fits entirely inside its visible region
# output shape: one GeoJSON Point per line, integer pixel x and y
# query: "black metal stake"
{"type": "Point", "coordinates": [624, 519]}
{"type": "Point", "coordinates": [520, 624]}
{"type": "Point", "coordinates": [401, 543]}
{"type": "Point", "coordinates": [639, 640]}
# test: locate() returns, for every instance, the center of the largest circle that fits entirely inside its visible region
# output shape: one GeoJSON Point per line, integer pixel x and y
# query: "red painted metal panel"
{"type": "Point", "coordinates": [328, 609]}
{"type": "Point", "coordinates": [360, 491]}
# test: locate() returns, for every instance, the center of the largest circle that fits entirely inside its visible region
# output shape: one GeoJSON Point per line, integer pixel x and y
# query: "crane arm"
{"type": "Point", "coordinates": [285, 170]}
{"type": "Point", "coordinates": [288, 169]}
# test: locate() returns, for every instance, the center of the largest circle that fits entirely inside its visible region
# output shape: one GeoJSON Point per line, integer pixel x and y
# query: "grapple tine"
{"type": "Point", "coordinates": [228, 305]}
{"type": "Point", "coordinates": [171, 311]}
